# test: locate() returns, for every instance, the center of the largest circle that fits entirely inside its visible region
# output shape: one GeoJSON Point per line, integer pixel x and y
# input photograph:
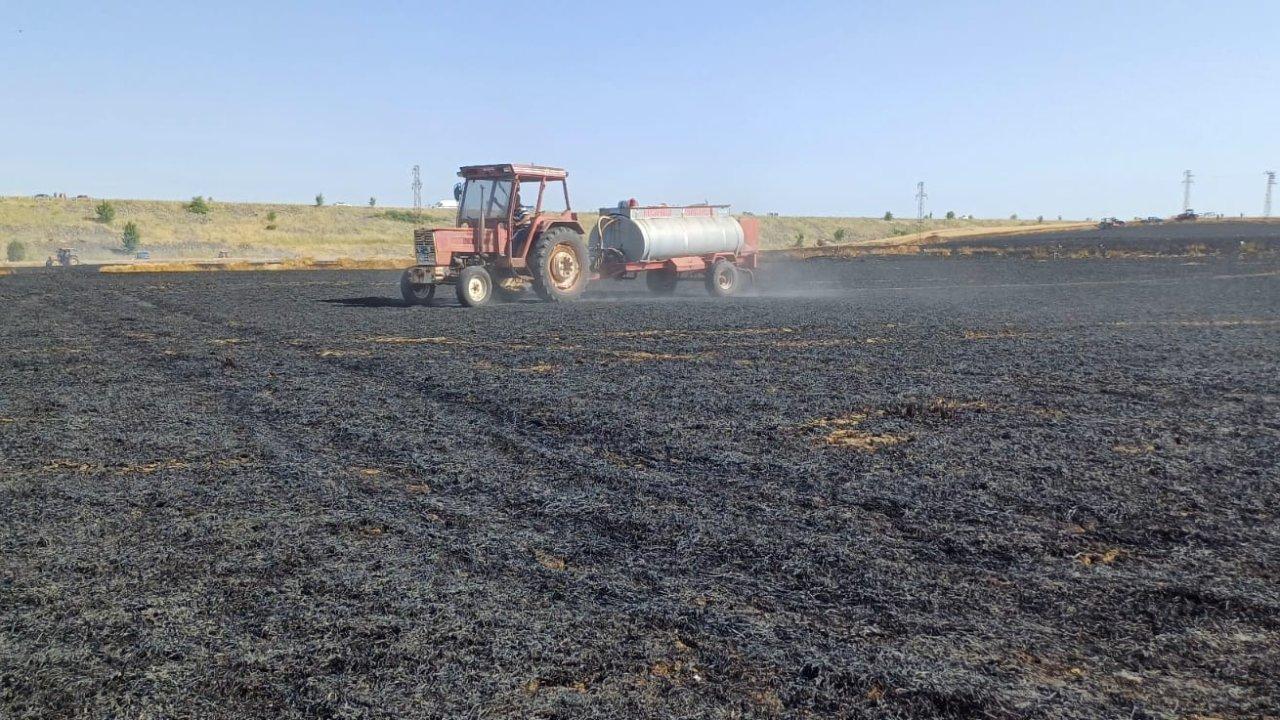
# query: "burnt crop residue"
{"type": "Point", "coordinates": [898, 487]}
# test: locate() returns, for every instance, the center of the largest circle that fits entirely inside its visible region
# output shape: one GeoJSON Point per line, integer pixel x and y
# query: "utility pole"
{"type": "Point", "coordinates": [417, 190]}
{"type": "Point", "coordinates": [1271, 182]}
{"type": "Point", "coordinates": [920, 196]}
{"type": "Point", "coordinates": [1186, 190]}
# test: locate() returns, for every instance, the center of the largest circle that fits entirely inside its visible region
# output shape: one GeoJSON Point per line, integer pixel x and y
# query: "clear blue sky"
{"type": "Point", "coordinates": [1084, 108]}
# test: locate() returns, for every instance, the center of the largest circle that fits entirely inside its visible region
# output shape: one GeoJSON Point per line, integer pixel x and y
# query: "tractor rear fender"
{"type": "Point", "coordinates": [541, 226]}
{"type": "Point", "coordinates": [571, 224]}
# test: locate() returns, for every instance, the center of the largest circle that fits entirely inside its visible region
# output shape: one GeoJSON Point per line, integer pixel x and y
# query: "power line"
{"type": "Point", "coordinates": [1271, 182]}
{"type": "Point", "coordinates": [1186, 190]}
{"type": "Point", "coordinates": [920, 196]}
{"type": "Point", "coordinates": [417, 190]}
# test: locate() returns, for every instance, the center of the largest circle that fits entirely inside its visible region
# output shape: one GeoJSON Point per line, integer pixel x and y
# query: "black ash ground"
{"type": "Point", "coordinates": [878, 488]}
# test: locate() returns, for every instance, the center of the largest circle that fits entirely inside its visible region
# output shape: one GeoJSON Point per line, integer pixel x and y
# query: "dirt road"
{"type": "Point", "coordinates": [891, 487]}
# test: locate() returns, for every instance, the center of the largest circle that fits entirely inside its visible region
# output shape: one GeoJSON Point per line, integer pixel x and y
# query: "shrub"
{"type": "Point", "coordinates": [198, 205]}
{"type": "Point", "coordinates": [951, 214]}
{"type": "Point", "coordinates": [105, 211]}
{"type": "Point", "coordinates": [839, 235]}
{"type": "Point", "coordinates": [402, 216]}
{"type": "Point", "coordinates": [17, 251]}
{"type": "Point", "coordinates": [131, 237]}
{"type": "Point", "coordinates": [1039, 218]}
{"type": "Point", "coordinates": [1013, 216]}
{"type": "Point", "coordinates": [271, 216]}
{"type": "Point", "coordinates": [799, 239]}
{"type": "Point", "coordinates": [319, 199]}
{"type": "Point", "coordinates": [373, 201]}
{"type": "Point", "coordinates": [271, 226]}
{"type": "Point", "coordinates": [888, 215]}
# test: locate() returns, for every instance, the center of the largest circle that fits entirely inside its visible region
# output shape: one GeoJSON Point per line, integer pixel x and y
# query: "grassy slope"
{"type": "Point", "coordinates": [169, 231]}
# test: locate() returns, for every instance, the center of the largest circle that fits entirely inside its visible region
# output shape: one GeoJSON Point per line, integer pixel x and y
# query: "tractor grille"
{"type": "Point", "coordinates": [424, 246]}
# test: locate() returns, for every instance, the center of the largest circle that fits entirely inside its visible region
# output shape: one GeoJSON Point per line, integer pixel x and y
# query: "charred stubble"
{"type": "Point", "coordinates": [898, 487]}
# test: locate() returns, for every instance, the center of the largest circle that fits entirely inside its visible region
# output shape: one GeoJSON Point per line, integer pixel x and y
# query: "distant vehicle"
{"type": "Point", "coordinates": [224, 253]}
{"type": "Point", "coordinates": [66, 258]}
{"type": "Point", "coordinates": [41, 196]}
{"type": "Point", "coordinates": [1110, 222]}
{"type": "Point", "coordinates": [1186, 216]}
{"type": "Point", "coordinates": [1153, 220]}
{"type": "Point", "coordinates": [143, 255]}
{"type": "Point", "coordinates": [339, 204]}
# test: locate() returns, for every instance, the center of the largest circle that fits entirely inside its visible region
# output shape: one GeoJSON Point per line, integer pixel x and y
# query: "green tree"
{"type": "Point", "coordinates": [319, 199]}
{"type": "Point", "coordinates": [373, 201]}
{"type": "Point", "coordinates": [888, 215]}
{"type": "Point", "coordinates": [131, 238]}
{"type": "Point", "coordinates": [198, 205]}
{"type": "Point", "coordinates": [839, 235]}
{"type": "Point", "coordinates": [1039, 218]}
{"type": "Point", "coordinates": [951, 214]}
{"type": "Point", "coordinates": [1013, 216]}
{"type": "Point", "coordinates": [105, 211]}
{"type": "Point", "coordinates": [16, 251]}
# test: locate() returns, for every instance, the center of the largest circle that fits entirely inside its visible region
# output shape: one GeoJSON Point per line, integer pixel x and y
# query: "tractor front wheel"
{"type": "Point", "coordinates": [722, 279]}
{"type": "Point", "coordinates": [415, 293]}
{"type": "Point", "coordinates": [475, 286]}
{"type": "Point", "coordinates": [559, 262]}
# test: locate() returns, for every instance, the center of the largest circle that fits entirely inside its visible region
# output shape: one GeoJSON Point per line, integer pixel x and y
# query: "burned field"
{"type": "Point", "coordinates": [897, 487]}
{"type": "Point", "coordinates": [1167, 238]}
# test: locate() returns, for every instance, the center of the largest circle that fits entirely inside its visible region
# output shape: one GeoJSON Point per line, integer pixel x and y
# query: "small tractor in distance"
{"type": "Point", "coordinates": [511, 232]}
{"type": "Point", "coordinates": [66, 258]}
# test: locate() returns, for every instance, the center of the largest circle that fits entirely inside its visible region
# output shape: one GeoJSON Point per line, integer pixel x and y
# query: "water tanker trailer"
{"type": "Point", "coordinates": [515, 229]}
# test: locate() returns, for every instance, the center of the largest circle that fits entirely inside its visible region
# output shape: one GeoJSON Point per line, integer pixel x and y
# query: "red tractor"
{"type": "Point", "coordinates": [515, 228]}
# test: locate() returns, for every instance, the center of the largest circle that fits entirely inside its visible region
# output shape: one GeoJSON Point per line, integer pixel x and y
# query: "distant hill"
{"type": "Point", "coordinates": [249, 230]}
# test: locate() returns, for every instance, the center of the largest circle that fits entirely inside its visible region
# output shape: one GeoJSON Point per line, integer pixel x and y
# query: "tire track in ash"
{"type": "Point", "coordinates": [510, 605]}
{"type": "Point", "coordinates": [523, 442]}
{"type": "Point", "coordinates": [606, 517]}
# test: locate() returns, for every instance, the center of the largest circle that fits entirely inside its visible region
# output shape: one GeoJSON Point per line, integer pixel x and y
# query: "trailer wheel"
{"type": "Point", "coordinates": [475, 286]}
{"type": "Point", "coordinates": [415, 293]}
{"type": "Point", "coordinates": [723, 278]}
{"type": "Point", "coordinates": [661, 282]}
{"type": "Point", "coordinates": [559, 262]}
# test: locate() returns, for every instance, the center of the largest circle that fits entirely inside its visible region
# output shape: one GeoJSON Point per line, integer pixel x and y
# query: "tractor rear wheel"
{"type": "Point", "coordinates": [559, 262]}
{"type": "Point", "coordinates": [661, 282]}
{"type": "Point", "coordinates": [475, 286]}
{"type": "Point", "coordinates": [722, 278]}
{"type": "Point", "coordinates": [415, 293]}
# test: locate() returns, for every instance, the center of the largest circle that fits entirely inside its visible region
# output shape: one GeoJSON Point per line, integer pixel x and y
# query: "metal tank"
{"type": "Point", "coordinates": [644, 234]}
